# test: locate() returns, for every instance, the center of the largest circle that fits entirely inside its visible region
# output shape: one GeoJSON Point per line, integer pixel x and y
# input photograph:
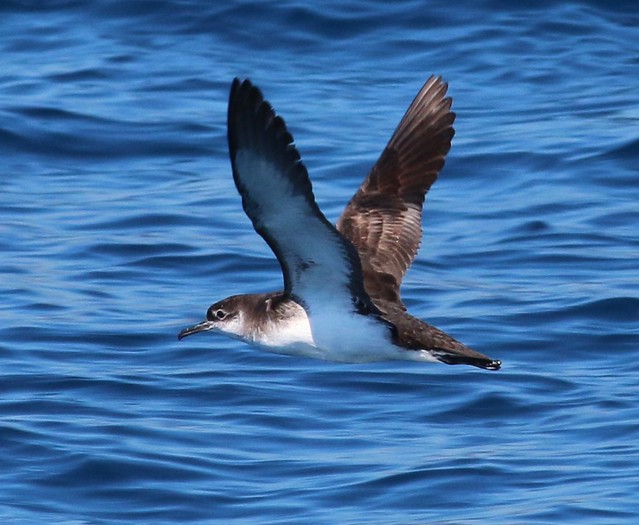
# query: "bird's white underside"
{"type": "Point", "coordinates": [320, 274]}
{"type": "Point", "coordinates": [333, 337]}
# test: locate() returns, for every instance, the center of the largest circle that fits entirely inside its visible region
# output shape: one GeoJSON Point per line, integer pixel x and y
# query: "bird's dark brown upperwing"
{"type": "Point", "coordinates": [384, 218]}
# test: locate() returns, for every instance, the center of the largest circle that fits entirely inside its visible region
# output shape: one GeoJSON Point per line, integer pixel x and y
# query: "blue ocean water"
{"type": "Point", "coordinates": [120, 224]}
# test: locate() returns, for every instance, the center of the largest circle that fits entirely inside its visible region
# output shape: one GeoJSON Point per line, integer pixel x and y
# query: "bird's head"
{"type": "Point", "coordinates": [226, 316]}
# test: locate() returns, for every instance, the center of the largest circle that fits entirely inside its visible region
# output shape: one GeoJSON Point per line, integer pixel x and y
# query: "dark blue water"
{"type": "Point", "coordinates": [119, 225]}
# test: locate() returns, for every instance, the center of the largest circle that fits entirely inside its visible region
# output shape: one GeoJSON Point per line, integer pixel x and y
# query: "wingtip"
{"type": "Point", "coordinates": [236, 84]}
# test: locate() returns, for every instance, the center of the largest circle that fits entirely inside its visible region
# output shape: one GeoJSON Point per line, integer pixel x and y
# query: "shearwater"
{"type": "Point", "coordinates": [341, 299]}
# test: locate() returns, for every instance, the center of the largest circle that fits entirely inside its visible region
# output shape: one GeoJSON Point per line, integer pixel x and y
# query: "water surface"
{"type": "Point", "coordinates": [120, 225]}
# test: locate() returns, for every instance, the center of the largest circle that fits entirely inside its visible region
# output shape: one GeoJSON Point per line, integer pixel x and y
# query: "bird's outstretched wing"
{"type": "Point", "coordinates": [384, 218]}
{"type": "Point", "coordinates": [320, 266]}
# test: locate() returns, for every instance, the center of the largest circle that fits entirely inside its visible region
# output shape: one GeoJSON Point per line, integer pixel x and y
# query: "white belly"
{"type": "Point", "coordinates": [333, 336]}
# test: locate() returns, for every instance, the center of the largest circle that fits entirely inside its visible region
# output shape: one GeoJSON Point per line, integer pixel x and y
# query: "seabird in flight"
{"type": "Point", "coordinates": [341, 299]}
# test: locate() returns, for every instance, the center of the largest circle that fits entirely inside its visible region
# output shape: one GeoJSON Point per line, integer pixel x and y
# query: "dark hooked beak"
{"type": "Point", "coordinates": [200, 327]}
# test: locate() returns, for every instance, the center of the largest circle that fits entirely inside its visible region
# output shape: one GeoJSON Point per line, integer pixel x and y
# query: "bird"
{"type": "Point", "coordinates": [341, 297]}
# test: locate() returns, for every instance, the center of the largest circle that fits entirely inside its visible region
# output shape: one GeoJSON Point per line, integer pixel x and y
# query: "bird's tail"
{"type": "Point", "coordinates": [468, 357]}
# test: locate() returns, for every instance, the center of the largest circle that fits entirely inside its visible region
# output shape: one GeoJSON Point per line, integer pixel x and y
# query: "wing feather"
{"type": "Point", "coordinates": [319, 265]}
{"type": "Point", "coordinates": [384, 218]}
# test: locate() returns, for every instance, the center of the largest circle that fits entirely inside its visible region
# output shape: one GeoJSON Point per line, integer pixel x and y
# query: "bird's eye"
{"type": "Point", "coordinates": [216, 314]}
